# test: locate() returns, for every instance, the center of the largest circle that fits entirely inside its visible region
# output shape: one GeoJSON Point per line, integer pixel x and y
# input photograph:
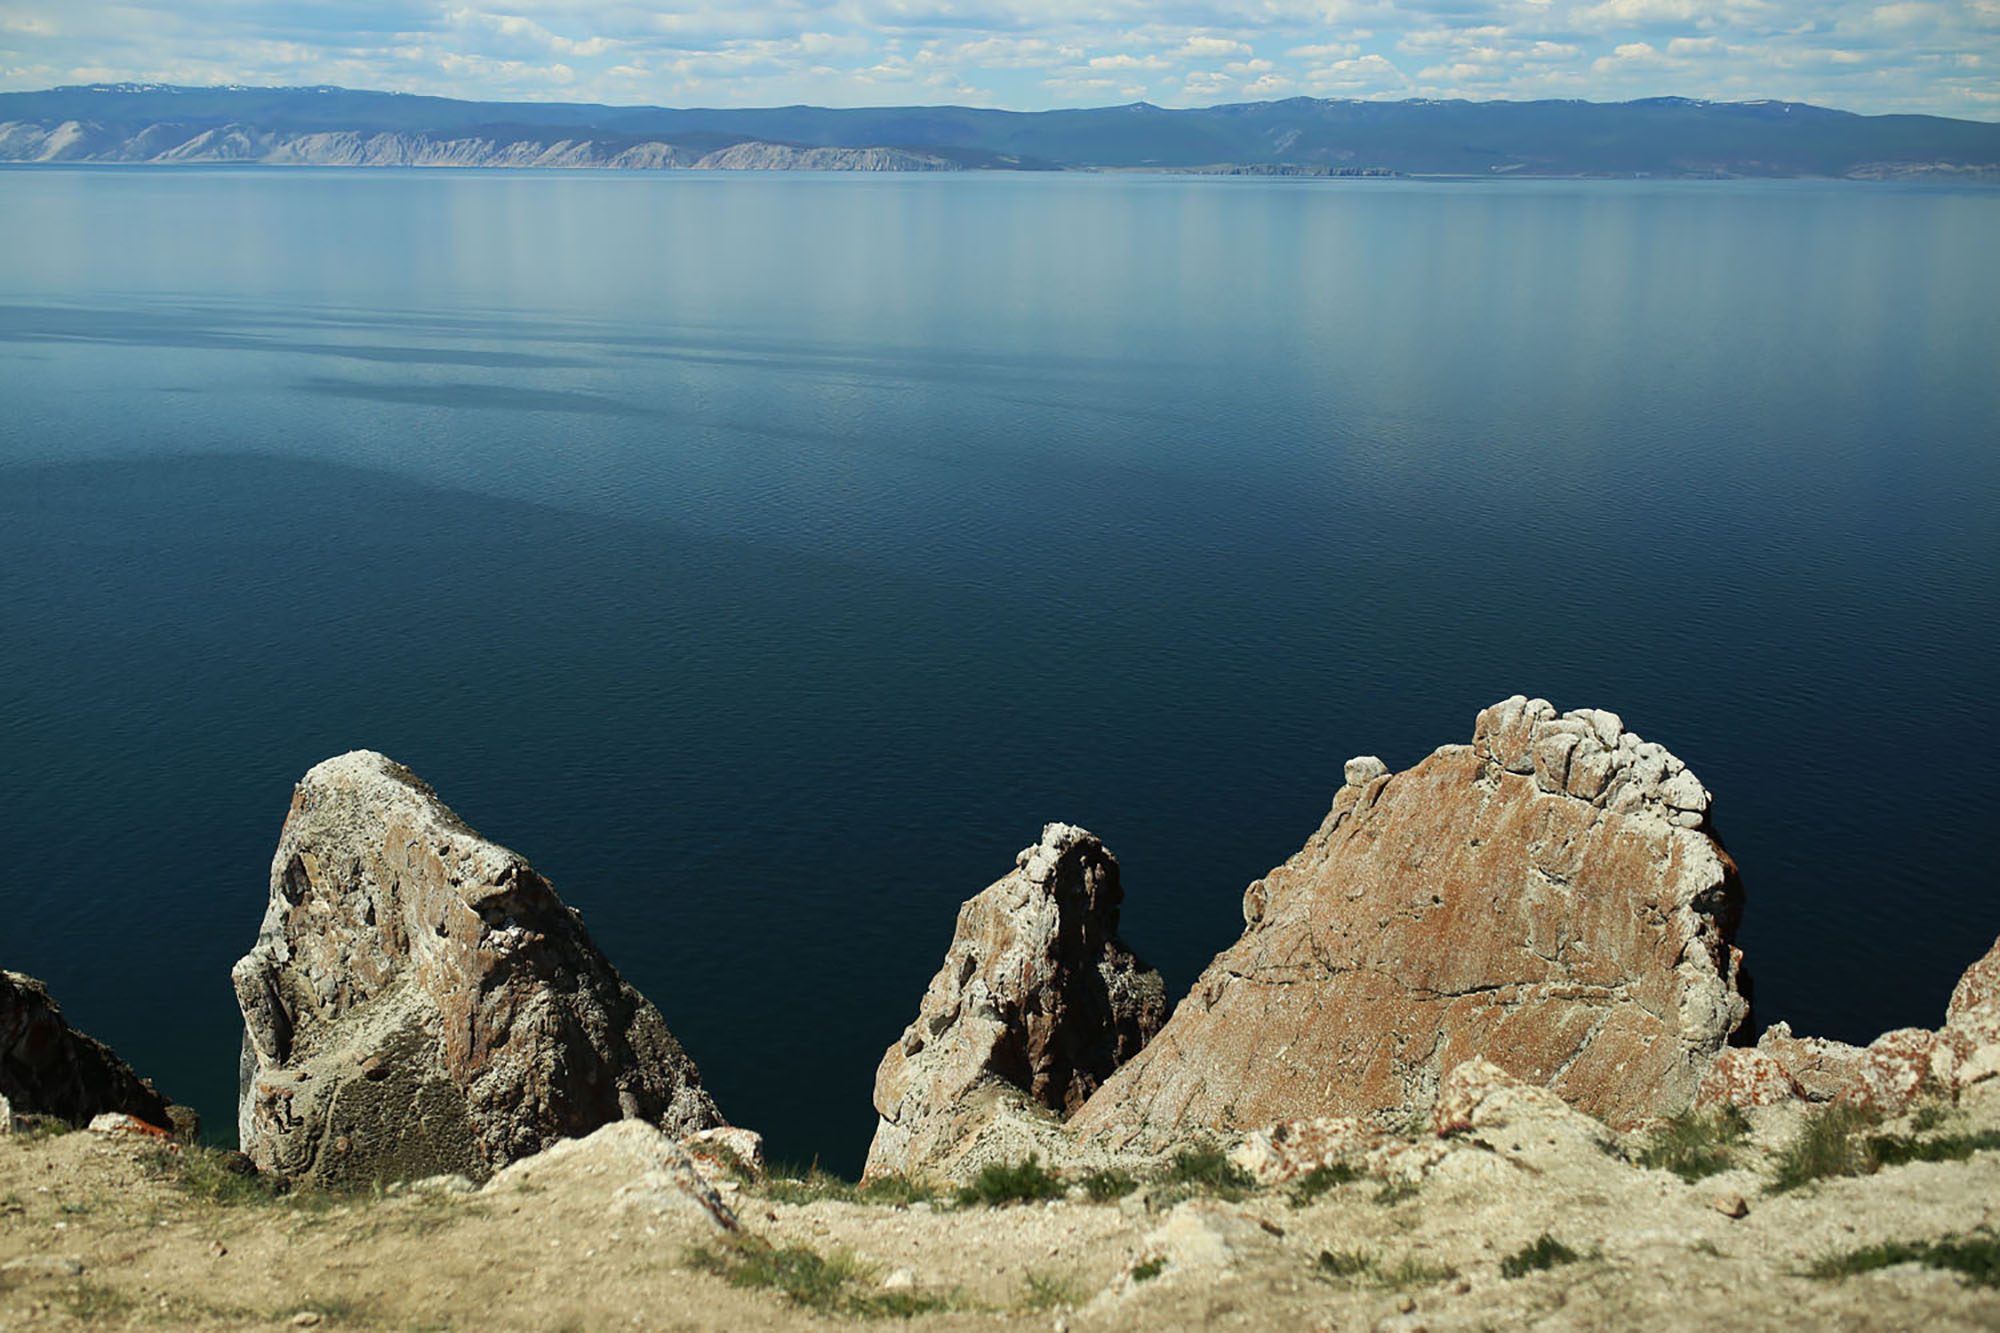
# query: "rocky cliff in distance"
{"type": "Point", "coordinates": [1548, 898]}
{"type": "Point", "coordinates": [166, 143]}
{"type": "Point", "coordinates": [419, 1001]}
{"type": "Point", "coordinates": [1037, 1002]}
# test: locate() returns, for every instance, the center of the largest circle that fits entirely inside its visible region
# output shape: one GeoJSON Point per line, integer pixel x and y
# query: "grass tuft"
{"type": "Point", "coordinates": [836, 1284]}
{"type": "Point", "coordinates": [1207, 1170]}
{"type": "Point", "coordinates": [1930, 1115]}
{"type": "Point", "coordinates": [1023, 1182]}
{"type": "Point", "coordinates": [1395, 1192]}
{"type": "Point", "coordinates": [1897, 1149]}
{"type": "Point", "coordinates": [895, 1191]}
{"type": "Point", "coordinates": [1694, 1146]}
{"type": "Point", "coordinates": [1353, 1267]}
{"type": "Point", "coordinates": [1829, 1145]}
{"type": "Point", "coordinates": [1976, 1258]}
{"type": "Point", "coordinates": [1543, 1253]}
{"type": "Point", "coordinates": [1049, 1291]}
{"type": "Point", "coordinates": [1148, 1269]}
{"type": "Point", "coordinates": [1104, 1186]}
{"type": "Point", "coordinates": [808, 1185]}
{"type": "Point", "coordinates": [88, 1302]}
{"type": "Point", "coordinates": [1321, 1179]}
{"type": "Point", "coordinates": [217, 1176]}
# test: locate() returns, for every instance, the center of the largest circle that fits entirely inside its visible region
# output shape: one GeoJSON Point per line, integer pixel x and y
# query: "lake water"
{"type": "Point", "coordinates": [768, 556]}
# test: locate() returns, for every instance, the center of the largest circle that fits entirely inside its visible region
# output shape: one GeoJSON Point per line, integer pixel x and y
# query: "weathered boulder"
{"type": "Point", "coordinates": [420, 1003]}
{"type": "Point", "coordinates": [1885, 1077]}
{"type": "Point", "coordinates": [1548, 898]}
{"type": "Point", "coordinates": [49, 1068]}
{"type": "Point", "coordinates": [624, 1168]}
{"type": "Point", "coordinates": [1037, 1003]}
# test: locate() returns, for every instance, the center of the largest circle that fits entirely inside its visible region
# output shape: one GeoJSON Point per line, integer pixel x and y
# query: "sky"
{"type": "Point", "coordinates": [1940, 57]}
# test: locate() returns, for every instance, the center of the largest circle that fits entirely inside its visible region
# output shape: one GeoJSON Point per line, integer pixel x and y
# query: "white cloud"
{"type": "Point", "coordinates": [1867, 55]}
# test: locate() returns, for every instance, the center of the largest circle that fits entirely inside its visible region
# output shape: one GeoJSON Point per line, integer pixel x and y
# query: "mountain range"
{"type": "Point", "coordinates": [1660, 136]}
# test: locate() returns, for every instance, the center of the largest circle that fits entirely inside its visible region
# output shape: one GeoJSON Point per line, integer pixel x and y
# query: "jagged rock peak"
{"type": "Point", "coordinates": [1037, 1002]}
{"type": "Point", "coordinates": [1547, 897]}
{"type": "Point", "coordinates": [420, 1002]}
{"type": "Point", "coordinates": [49, 1068]}
{"type": "Point", "coordinates": [1588, 754]}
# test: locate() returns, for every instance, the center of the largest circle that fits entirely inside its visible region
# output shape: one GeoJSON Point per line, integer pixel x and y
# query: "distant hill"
{"type": "Point", "coordinates": [1662, 136]}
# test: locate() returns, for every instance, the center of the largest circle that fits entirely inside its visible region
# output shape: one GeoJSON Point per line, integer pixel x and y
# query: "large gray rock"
{"type": "Point", "coordinates": [1037, 1003]}
{"type": "Point", "coordinates": [419, 1002]}
{"type": "Point", "coordinates": [49, 1068]}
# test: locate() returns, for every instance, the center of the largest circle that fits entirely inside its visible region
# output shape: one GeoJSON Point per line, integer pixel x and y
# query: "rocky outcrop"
{"type": "Point", "coordinates": [74, 141]}
{"type": "Point", "coordinates": [1037, 1003]}
{"type": "Point", "coordinates": [49, 1068]}
{"type": "Point", "coordinates": [1885, 1077]}
{"type": "Point", "coordinates": [1548, 898]}
{"type": "Point", "coordinates": [419, 1002]}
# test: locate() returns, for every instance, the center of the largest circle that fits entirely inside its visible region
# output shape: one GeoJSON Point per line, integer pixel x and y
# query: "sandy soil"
{"type": "Point", "coordinates": [94, 1232]}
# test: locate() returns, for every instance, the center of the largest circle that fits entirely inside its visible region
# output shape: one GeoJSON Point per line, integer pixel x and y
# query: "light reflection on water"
{"type": "Point", "coordinates": [768, 557]}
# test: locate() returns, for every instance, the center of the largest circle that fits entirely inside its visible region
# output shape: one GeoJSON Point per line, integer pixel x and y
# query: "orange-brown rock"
{"type": "Point", "coordinates": [1548, 898]}
{"type": "Point", "coordinates": [419, 1002]}
{"type": "Point", "coordinates": [1037, 1003]}
{"type": "Point", "coordinates": [1886, 1076]}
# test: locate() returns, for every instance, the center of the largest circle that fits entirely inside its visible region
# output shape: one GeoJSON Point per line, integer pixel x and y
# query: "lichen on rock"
{"type": "Point", "coordinates": [419, 1001]}
{"type": "Point", "coordinates": [1548, 897]}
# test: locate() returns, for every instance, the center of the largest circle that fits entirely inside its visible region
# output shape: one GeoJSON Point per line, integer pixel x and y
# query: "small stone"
{"type": "Point", "coordinates": [217, 1250]}
{"type": "Point", "coordinates": [1730, 1204]}
{"type": "Point", "coordinates": [1406, 1305]}
{"type": "Point", "coordinates": [306, 1319]}
{"type": "Point", "coordinates": [1363, 769]}
{"type": "Point", "coordinates": [900, 1280]}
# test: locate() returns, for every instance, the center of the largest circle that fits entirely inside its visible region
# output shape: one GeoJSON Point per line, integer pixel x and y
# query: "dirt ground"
{"type": "Point", "coordinates": [94, 1231]}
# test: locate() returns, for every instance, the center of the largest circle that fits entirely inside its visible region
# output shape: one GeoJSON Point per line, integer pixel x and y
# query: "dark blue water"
{"type": "Point", "coordinates": [768, 557]}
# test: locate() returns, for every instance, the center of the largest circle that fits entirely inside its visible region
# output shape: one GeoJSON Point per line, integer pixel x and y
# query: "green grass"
{"type": "Point", "coordinates": [1694, 1146]}
{"type": "Point", "coordinates": [999, 1183]}
{"type": "Point", "coordinates": [33, 1128]}
{"type": "Point", "coordinates": [331, 1309]}
{"type": "Point", "coordinates": [895, 1191]}
{"type": "Point", "coordinates": [1206, 1170]}
{"type": "Point", "coordinates": [1356, 1267]}
{"type": "Point", "coordinates": [1929, 1116]}
{"type": "Point", "coordinates": [1395, 1192]}
{"type": "Point", "coordinates": [810, 1185]}
{"type": "Point", "coordinates": [1976, 1258]}
{"type": "Point", "coordinates": [1897, 1149]}
{"type": "Point", "coordinates": [1104, 1186]}
{"type": "Point", "coordinates": [1544, 1252]}
{"type": "Point", "coordinates": [1321, 1179]}
{"type": "Point", "coordinates": [807, 1185]}
{"type": "Point", "coordinates": [1049, 1291]}
{"type": "Point", "coordinates": [88, 1302]}
{"type": "Point", "coordinates": [1149, 1269]}
{"type": "Point", "coordinates": [215, 1176]}
{"type": "Point", "coordinates": [1829, 1145]}
{"type": "Point", "coordinates": [836, 1284]}
{"type": "Point", "coordinates": [1833, 1144]}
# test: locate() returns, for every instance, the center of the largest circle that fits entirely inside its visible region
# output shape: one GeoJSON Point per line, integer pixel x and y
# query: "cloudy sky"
{"type": "Point", "coordinates": [1936, 56]}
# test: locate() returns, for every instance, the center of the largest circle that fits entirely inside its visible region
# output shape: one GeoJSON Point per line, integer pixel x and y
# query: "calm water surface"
{"type": "Point", "coordinates": [768, 557]}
